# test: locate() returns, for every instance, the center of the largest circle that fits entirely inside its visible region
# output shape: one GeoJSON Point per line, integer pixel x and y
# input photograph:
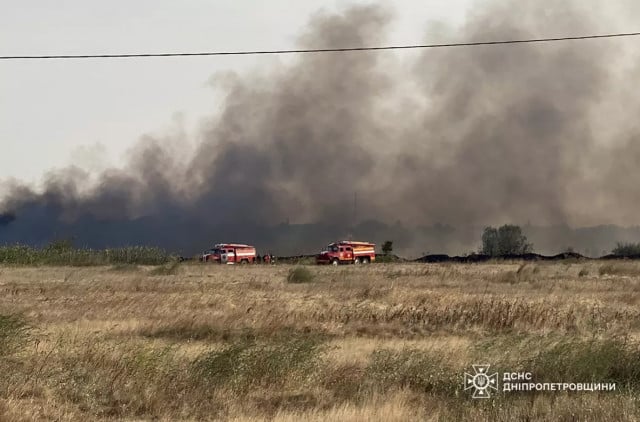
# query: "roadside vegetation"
{"type": "Point", "coordinates": [63, 253]}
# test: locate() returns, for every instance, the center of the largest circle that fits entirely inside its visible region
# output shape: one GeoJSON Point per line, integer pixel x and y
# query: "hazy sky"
{"type": "Point", "coordinates": [54, 113]}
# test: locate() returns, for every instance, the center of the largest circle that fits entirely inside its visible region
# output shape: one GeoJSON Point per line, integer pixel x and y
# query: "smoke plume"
{"type": "Point", "coordinates": [459, 136]}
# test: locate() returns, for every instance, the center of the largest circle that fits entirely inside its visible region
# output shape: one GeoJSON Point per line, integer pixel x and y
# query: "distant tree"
{"type": "Point", "coordinates": [490, 242]}
{"type": "Point", "coordinates": [626, 249]}
{"type": "Point", "coordinates": [387, 247]}
{"type": "Point", "coordinates": [506, 240]}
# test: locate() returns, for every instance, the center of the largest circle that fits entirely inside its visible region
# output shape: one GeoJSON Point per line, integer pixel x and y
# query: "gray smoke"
{"type": "Point", "coordinates": [468, 137]}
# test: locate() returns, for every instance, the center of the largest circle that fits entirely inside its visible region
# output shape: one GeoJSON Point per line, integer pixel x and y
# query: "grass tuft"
{"type": "Point", "coordinates": [414, 369]}
{"type": "Point", "coordinates": [620, 269]}
{"type": "Point", "coordinates": [125, 267]}
{"type": "Point", "coordinates": [14, 333]}
{"type": "Point", "coordinates": [171, 268]}
{"type": "Point", "coordinates": [248, 364]}
{"type": "Point", "coordinates": [610, 360]}
{"type": "Point", "coordinates": [300, 275]}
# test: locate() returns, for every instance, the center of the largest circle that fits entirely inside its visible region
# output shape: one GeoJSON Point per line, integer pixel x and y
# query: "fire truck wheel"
{"type": "Point", "coordinates": [356, 261]}
{"type": "Point", "coordinates": [335, 262]}
{"type": "Point", "coordinates": [244, 262]}
{"type": "Point", "coordinates": [365, 260]}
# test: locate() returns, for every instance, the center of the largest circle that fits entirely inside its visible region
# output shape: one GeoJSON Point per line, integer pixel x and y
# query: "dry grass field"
{"type": "Point", "coordinates": [385, 342]}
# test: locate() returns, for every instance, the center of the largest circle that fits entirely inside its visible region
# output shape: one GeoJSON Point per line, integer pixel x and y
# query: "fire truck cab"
{"type": "Point", "coordinates": [230, 253]}
{"type": "Point", "coordinates": [347, 252]}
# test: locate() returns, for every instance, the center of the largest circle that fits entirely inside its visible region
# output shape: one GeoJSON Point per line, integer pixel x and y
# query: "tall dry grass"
{"type": "Point", "coordinates": [380, 342]}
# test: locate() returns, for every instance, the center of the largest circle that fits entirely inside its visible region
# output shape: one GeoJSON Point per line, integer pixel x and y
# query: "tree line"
{"type": "Point", "coordinates": [510, 240]}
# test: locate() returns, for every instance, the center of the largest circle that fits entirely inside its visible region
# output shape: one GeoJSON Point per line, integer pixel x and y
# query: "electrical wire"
{"type": "Point", "coordinates": [319, 50]}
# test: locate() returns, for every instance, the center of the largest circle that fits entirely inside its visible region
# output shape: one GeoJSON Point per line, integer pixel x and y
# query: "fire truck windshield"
{"type": "Point", "coordinates": [332, 248]}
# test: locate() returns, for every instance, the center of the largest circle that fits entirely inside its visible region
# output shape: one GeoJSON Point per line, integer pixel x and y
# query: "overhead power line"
{"type": "Point", "coordinates": [318, 50]}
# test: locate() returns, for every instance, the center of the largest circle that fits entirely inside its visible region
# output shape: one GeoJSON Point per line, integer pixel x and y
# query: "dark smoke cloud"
{"type": "Point", "coordinates": [504, 123]}
{"type": "Point", "coordinates": [471, 136]}
{"type": "Point", "coordinates": [6, 218]}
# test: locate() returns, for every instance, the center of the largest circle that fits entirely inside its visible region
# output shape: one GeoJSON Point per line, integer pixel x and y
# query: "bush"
{"type": "Point", "coordinates": [386, 259]}
{"type": "Point", "coordinates": [506, 240]}
{"type": "Point", "coordinates": [300, 275]}
{"type": "Point", "coordinates": [626, 249]}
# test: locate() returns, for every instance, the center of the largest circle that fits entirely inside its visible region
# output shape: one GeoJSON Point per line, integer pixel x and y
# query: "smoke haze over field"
{"type": "Point", "coordinates": [540, 133]}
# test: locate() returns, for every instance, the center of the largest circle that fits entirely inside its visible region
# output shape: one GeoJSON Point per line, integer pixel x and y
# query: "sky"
{"type": "Point", "coordinates": [88, 113]}
{"type": "Point", "coordinates": [543, 133]}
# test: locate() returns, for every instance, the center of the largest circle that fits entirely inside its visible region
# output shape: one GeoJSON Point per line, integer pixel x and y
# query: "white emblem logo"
{"type": "Point", "coordinates": [481, 381]}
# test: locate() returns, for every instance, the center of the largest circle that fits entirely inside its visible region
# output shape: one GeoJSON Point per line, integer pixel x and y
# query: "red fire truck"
{"type": "Point", "coordinates": [230, 253]}
{"type": "Point", "coordinates": [347, 252]}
